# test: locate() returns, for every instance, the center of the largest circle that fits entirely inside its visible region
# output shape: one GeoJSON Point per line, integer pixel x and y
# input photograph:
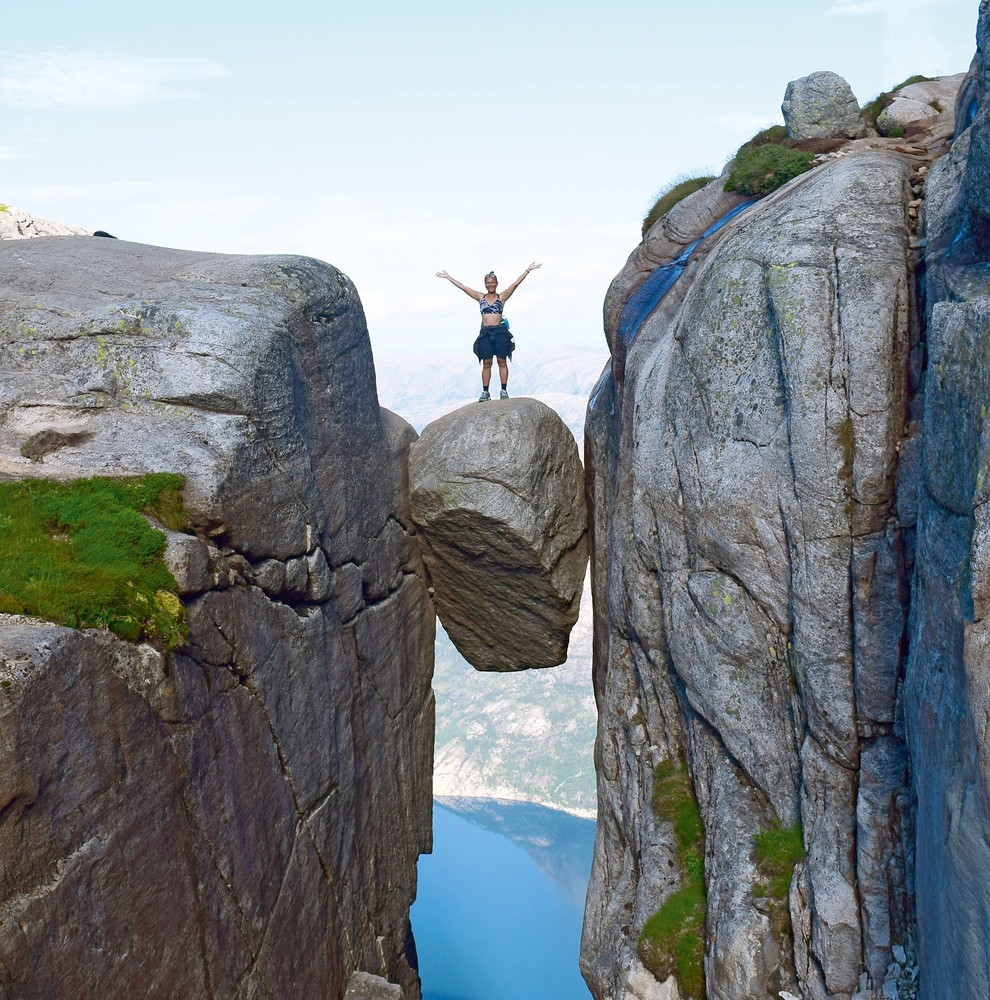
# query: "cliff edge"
{"type": "Point", "coordinates": [240, 816]}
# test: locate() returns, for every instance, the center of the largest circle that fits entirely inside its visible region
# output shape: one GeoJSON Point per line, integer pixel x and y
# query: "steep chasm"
{"type": "Point", "coordinates": [755, 458]}
{"type": "Point", "coordinates": [241, 817]}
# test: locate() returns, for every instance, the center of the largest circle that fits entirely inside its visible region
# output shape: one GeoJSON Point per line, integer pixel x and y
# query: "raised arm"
{"type": "Point", "coordinates": [464, 288]}
{"type": "Point", "coordinates": [515, 284]}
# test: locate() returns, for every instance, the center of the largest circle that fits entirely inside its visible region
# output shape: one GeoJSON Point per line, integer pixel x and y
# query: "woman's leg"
{"type": "Point", "coordinates": [486, 371]}
{"type": "Point", "coordinates": [503, 372]}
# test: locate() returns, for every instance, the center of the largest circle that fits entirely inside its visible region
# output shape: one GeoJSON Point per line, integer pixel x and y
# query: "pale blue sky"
{"type": "Point", "coordinates": [394, 141]}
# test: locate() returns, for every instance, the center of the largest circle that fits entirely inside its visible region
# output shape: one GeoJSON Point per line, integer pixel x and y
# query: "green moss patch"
{"type": "Point", "coordinates": [670, 196]}
{"type": "Point", "coordinates": [775, 135]}
{"type": "Point", "coordinates": [778, 850]}
{"type": "Point", "coordinates": [674, 801]}
{"type": "Point", "coordinates": [760, 169]}
{"type": "Point", "coordinates": [673, 939]}
{"type": "Point", "coordinates": [80, 554]}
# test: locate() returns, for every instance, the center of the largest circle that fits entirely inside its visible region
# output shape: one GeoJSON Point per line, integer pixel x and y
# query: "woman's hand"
{"type": "Point", "coordinates": [443, 274]}
{"type": "Point", "coordinates": [515, 284]}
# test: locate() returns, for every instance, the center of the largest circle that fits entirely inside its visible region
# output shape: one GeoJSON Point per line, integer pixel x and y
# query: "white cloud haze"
{"type": "Point", "coordinates": [89, 80]}
{"type": "Point", "coordinates": [857, 7]}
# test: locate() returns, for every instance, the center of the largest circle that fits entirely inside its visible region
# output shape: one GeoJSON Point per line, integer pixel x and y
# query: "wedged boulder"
{"type": "Point", "coordinates": [821, 106]}
{"type": "Point", "coordinates": [242, 816]}
{"type": "Point", "coordinates": [497, 494]}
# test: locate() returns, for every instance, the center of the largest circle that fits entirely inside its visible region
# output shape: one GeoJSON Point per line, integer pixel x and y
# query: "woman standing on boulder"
{"type": "Point", "coordinates": [494, 339]}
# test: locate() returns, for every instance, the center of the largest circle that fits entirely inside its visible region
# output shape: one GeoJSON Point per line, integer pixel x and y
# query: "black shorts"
{"type": "Point", "coordinates": [494, 341]}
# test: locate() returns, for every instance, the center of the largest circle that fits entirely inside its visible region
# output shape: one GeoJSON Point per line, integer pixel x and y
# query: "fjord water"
{"type": "Point", "coordinates": [500, 902]}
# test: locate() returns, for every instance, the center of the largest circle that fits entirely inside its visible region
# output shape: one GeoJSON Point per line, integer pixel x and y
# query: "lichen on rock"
{"type": "Point", "coordinates": [821, 106]}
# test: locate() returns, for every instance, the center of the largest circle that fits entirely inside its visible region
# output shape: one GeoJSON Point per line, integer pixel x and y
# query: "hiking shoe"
{"type": "Point", "coordinates": [485, 394]}
{"type": "Point", "coordinates": [503, 395]}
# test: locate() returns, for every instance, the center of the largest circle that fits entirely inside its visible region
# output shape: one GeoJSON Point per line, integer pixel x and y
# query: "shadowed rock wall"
{"type": "Point", "coordinates": [947, 702]}
{"type": "Point", "coordinates": [243, 817]}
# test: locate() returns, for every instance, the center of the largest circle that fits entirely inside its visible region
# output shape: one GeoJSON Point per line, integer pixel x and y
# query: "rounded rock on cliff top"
{"type": "Point", "coordinates": [497, 493]}
{"type": "Point", "coordinates": [917, 101]}
{"type": "Point", "coordinates": [821, 106]}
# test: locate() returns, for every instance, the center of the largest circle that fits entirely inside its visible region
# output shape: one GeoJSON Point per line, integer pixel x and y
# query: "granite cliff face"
{"type": "Point", "coordinates": [241, 817]}
{"type": "Point", "coordinates": [785, 464]}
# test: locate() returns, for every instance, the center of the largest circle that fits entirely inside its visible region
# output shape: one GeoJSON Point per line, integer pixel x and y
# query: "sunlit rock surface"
{"type": "Point", "coordinates": [243, 817]}
{"type": "Point", "coordinates": [16, 224]}
{"type": "Point", "coordinates": [752, 463]}
{"type": "Point", "coordinates": [497, 497]}
{"type": "Point", "coordinates": [365, 986]}
{"type": "Point", "coordinates": [919, 100]}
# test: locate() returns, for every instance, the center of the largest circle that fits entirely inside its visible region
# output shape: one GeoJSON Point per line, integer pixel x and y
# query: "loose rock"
{"type": "Point", "coordinates": [821, 106]}
{"type": "Point", "coordinates": [497, 494]}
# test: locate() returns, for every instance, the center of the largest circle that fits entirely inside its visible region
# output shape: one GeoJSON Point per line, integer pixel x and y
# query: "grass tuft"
{"type": "Point", "coordinates": [673, 939]}
{"type": "Point", "coordinates": [774, 135]}
{"type": "Point", "coordinates": [674, 801]}
{"type": "Point", "coordinates": [670, 196]}
{"type": "Point", "coordinates": [80, 554]}
{"type": "Point", "coordinates": [778, 850]}
{"type": "Point", "coordinates": [871, 111]}
{"type": "Point", "coordinates": [760, 169]}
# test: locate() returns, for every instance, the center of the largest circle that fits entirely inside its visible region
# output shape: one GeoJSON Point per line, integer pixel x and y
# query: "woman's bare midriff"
{"type": "Point", "coordinates": [491, 319]}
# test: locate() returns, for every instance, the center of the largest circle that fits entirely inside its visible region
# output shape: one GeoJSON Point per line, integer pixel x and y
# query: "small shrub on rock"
{"type": "Point", "coordinates": [775, 135]}
{"type": "Point", "coordinates": [670, 196]}
{"type": "Point", "coordinates": [758, 170]}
